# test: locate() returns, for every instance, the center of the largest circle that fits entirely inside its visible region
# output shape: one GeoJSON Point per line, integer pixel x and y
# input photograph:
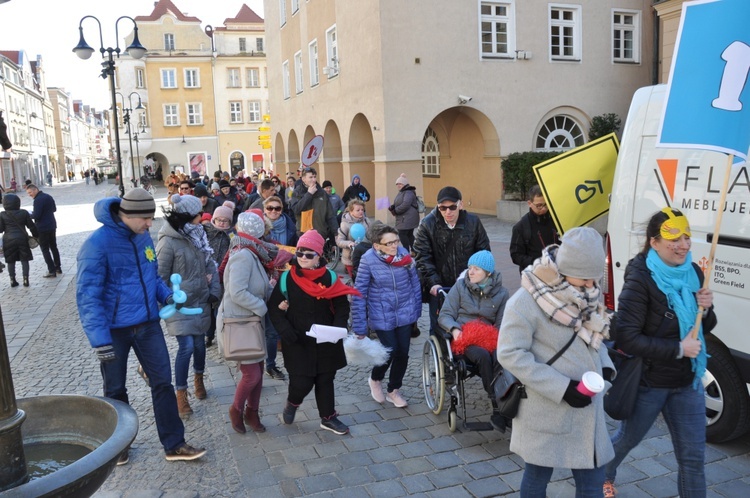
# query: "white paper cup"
{"type": "Point", "coordinates": [591, 383]}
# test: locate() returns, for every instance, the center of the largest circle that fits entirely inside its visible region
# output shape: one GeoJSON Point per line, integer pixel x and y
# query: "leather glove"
{"type": "Point", "coordinates": [212, 299]}
{"type": "Point", "coordinates": [105, 353]}
{"type": "Point", "coordinates": [607, 374]}
{"type": "Point", "coordinates": [574, 398]}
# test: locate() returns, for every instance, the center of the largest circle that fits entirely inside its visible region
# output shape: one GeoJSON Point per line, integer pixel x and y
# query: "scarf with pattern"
{"type": "Point", "coordinates": [197, 236]}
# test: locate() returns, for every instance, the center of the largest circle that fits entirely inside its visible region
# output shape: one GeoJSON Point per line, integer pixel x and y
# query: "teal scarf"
{"type": "Point", "coordinates": [679, 284]}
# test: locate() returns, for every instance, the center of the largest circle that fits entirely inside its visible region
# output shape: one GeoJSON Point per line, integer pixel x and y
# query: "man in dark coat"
{"type": "Point", "coordinates": [356, 191]}
{"type": "Point", "coordinates": [533, 232]}
{"type": "Point", "coordinates": [44, 216]}
{"type": "Point", "coordinates": [311, 199]}
{"type": "Point", "coordinates": [445, 240]}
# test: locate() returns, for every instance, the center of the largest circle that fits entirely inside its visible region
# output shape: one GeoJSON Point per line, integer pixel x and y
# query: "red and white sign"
{"type": "Point", "coordinates": [312, 150]}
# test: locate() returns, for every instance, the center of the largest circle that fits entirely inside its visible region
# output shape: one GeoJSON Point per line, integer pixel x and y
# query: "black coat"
{"type": "Point", "coordinates": [647, 327]}
{"type": "Point", "coordinates": [355, 192]}
{"type": "Point", "coordinates": [13, 224]}
{"type": "Point", "coordinates": [302, 355]}
{"type": "Point", "coordinates": [530, 235]}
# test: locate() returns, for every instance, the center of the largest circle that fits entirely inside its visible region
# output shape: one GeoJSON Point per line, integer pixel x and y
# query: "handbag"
{"type": "Point", "coordinates": [509, 391]}
{"type": "Point", "coordinates": [33, 242]}
{"type": "Point", "coordinates": [244, 339]}
{"type": "Point", "coordinates": [620, 399]}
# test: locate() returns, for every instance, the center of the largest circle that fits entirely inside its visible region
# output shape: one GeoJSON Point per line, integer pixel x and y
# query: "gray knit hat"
{"type": "Point", "coordinates": [188, 204]}
{"type": "Point", "coordinates": [251, 224]}
{"type": "Point", "coordinates": [138, 203]}
{"type": "Point", "coordinates": [581, 254]}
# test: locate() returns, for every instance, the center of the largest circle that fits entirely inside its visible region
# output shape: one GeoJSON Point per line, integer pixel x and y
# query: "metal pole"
{"type": "Point", "coordinates": [130, 140]}
{"type": "Point", "coordinates": [138, 153]}
{"type": "Point", "coordinates": [110, 71]}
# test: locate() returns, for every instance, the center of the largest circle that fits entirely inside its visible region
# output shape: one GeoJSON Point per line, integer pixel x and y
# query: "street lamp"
{"type": "Point", "coordinates": [126, 120]}
{"type": "Point", "coordinates": [135, 49]}
{"type": "Point", "coordinates": [137, 150]}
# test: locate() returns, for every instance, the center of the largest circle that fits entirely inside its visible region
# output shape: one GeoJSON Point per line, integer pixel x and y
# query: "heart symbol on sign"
{"type": "Point", "coordinates": [589, 192]}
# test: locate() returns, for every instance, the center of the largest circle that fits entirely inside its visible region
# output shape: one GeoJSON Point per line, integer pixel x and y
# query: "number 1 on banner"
{"type": "Point", "coordinates": [734, 79]}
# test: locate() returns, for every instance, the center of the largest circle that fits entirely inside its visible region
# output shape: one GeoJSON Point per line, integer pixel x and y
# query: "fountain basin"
{"type": "Point", "coordinates": [103, 426]}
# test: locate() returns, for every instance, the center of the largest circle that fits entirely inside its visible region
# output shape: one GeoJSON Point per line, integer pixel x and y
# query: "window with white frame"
{"type": "Point", "coordinates": [194, 114]}
{"type": "Point", "coordinates": [235, 112]}
{"type": "Point", "coordinates": [233, 77]}
{"type": "Point", "coordinates": [253, 108]}
{"type": "Point", "coordinates": [282, 12]}
{"type": "Point", "coordinates": [142, 119]}
{"type": "Point", "coordinates": [259, 44]}
{"type": "Point", "coordinates": [168, 41]}
{"type": "Point", "coordinates": [298, 86]}
{"type": "Point", "coordinates": [565, 32]}
{"type": "Point", "coordinates": [171, 115]}
{"type": "Point", "coordinates": [253, 77]}
{"type": "Point", "coordinates": [169, 78]}
{"type": "Point", "coordinates": [285, 79]}
{"type": "Point", "coordinates": [430, 153]}
{"type": "Point", "coordinates": [140, 78]}
{"type": "Point", "coordinates": [497, 34]}
{"type": "Point", "coordinates": [243, 44]}
{"type": "Point", "coordinates": [626, 27]}
{"type": "Point", "coordinates": [332, 51]}
{"type": "Point", "coordinates": [559, 133]}
{"type": "Point", "coordinates": [313, 56]}
{"type": "Point", "coordinates": [295, 6]}
{"type": "Point", "coordinates": [192, 78]}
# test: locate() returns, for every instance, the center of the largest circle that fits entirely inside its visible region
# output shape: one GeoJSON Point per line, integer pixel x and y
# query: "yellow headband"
{"type": "Point", "coordinates": [674, 226]}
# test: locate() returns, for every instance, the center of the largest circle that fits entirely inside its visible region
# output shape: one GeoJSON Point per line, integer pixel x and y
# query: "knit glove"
{"type": "Point", "coordinates": [105, 353]}
{"type": "Point", "coordinates": [574, 398]}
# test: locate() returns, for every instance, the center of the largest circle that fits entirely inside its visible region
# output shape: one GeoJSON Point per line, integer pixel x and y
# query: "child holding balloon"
{"type": "Point", "coordinates": [355, 215]}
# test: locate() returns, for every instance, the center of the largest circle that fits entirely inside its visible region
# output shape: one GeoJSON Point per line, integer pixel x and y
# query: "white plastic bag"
{"type": "Point", "coordinates": [365, 352]}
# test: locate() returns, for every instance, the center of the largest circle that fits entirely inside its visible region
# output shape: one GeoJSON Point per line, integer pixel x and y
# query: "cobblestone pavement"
{"type": "Point", "coordinates": [390, 452]}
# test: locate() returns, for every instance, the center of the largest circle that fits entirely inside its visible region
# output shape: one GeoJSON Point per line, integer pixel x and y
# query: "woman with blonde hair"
{"type": "Point", "coordinates": [355, 213]}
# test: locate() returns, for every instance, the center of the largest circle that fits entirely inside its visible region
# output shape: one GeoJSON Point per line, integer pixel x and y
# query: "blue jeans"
{"type": "Point", "coordinates": [684, 410]}
{"type": "Point", "coordinates": [589, 482]}
{"type": "Point", "coordinates": [398, 340]}
{"type": "Point", "coordinates": [147, 340]}
{"type": "Point", "coordinates": [272, 342]}
{"type": "Point", "coordinates": [190, 346]}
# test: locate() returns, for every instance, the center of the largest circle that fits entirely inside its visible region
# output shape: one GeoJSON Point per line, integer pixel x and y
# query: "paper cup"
{"type": "Point", "coordinates": [591, 383]}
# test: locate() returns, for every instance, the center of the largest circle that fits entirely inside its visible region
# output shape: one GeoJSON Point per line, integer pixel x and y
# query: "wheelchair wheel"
{"type": "Point", "coordinates": [433, 375]}
{"type": "Point", "coordinates": [452, 420]}
{"type": "Point", "coordinates": [332, 253]}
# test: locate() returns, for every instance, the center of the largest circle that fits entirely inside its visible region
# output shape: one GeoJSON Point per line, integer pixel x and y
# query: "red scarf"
{"type": "Point", "coordinates": [404, 261]}
{"type": "Point", "coordinates": [305, 279]}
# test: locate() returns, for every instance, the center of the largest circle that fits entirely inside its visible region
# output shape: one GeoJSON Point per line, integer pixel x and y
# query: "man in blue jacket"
{"type": "Point", "coordinates": [44, 216]}
{"type": "Point", "coordinates": [118, 294]}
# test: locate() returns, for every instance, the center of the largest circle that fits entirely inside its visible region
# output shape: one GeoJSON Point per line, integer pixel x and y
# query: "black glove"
{"type": "Point", "coordinates": [607, 374]}
{"type": "Point", "coordinates": [212, 299]}
{"type": "Point", "coordinates": [105, 353]}
{"type": "Point", "coordinates": [574, 398]}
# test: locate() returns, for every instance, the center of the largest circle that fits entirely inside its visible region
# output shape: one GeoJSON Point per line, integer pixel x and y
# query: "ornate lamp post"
{"type": "Point", "coordinates": [138, 131]}
{"type": "Point", "coordinates": [127, 111]}
{"type": "Point", "coordinates": [135, 49]}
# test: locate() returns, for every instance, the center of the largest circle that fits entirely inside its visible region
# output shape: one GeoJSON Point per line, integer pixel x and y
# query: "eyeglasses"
{"type": "Point", "coordinates": [306, 255]}
{"type": "Point", "coordinates": [452, 207]}
{"type": "Point", "coordinates": [222, 221]}
{"type": "Point", "coordinates": [539, 206]}
{"type": "Point", "coordinates": [390, 243]}
{"type": "Point", "coordinates": [273, 208]}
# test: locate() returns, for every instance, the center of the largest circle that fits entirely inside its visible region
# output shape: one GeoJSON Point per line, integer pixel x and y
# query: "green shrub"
{"type": "Point", "coordinates": [518, 173]}
{"type": "Point", "coordinates": [604, 125]}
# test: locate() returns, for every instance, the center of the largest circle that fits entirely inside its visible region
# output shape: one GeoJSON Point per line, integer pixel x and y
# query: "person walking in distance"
{"type": "Point", "coordinates": [533, 232]}
{"type": "Point", "coordinates": [44, 216]}
{"type": "Point", "coordinates": [118, 291]}
{"type": "Point", "coordinates": [405, 208]}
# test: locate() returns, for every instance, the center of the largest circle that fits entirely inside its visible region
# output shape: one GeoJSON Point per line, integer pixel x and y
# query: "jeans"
{"type": "Point", "coordinates": [147, 340]}
{"type": "Point", "coordinates": [684, 410]}
{"type": "Point", "coordinates": [48, 244]}
{"type": "Point", "coordinates": [398, 341]}
{"type": "Point", "coordinates": [272, 342]}
{"type": "Point", "coordinates": [589, 482]}
{"type": "Point", "coordinates": [190, 346]}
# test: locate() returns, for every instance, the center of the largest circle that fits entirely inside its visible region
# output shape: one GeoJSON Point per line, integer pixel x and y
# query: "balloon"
{"type": "Point", "coordinates": [357, 232]}
{"type": "Point", "coordinates": [179, 297]}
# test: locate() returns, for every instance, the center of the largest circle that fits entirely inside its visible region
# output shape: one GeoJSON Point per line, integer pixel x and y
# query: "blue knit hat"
{"type": "Point", "coordinates": [484, 260]}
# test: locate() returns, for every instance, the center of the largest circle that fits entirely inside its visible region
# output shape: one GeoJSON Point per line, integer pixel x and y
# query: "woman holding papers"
{"type": "Point", "coordinates": [305, 296]}
{"type": "Point", "coordinates": [390, 304]}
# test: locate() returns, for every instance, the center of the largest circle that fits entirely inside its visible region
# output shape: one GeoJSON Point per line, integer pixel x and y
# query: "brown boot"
{"type": "Point", "coordinates": [235, 418]}
{"type": "Point", "coordinates": [183, 406]}
{"type": "Point", "coordinates": [200, 389]}
{"type": "Point", "coordinates": [253, 420]}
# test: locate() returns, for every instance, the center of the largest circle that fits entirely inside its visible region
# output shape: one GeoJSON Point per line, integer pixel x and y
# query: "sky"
{"type": "Point", "coordinates": [50, 28]}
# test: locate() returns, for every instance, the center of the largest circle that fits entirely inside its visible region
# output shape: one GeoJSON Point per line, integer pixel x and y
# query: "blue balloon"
{"type": "Point", "coordinates": [357, 232]}
{"type": "Point", "coordinates": [179, 297]}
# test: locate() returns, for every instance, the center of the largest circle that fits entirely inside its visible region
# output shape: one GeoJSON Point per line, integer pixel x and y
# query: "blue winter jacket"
{"type": "Point", "coordinates": [118, 284]}
{"type": "Point", "coordinates": [391, 295]}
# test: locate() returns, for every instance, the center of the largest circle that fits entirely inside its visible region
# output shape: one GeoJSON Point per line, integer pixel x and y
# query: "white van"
{"type": "Point", "coordinates": [648, 179]}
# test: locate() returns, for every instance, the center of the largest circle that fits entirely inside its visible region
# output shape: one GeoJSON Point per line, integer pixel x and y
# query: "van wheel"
{"type": "Point", "coordinates": [727, 400]}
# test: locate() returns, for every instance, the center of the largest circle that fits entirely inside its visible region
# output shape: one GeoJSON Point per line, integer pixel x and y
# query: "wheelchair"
{"type": "Point", "coordinates": [444, 375]}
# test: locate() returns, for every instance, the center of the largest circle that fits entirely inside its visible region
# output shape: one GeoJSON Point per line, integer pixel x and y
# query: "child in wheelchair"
{"type": "Point", "coordinates": [471, 313]}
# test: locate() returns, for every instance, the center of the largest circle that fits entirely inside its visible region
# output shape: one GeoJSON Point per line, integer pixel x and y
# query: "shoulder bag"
{"type": "Point", "coordinates": [508, 390]}
{"type": "Point", "coordinates": [244, 339]}
{"type": "Point", "coordinates": [620, 399]}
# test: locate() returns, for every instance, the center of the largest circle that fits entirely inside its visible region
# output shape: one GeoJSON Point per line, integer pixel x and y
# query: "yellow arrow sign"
{"type": "Point", "coordinates": [264, 137]}
{"type": "Point", "coordinates": [264, 128]}
{"type": "Point", "coordinates": [265, 146]}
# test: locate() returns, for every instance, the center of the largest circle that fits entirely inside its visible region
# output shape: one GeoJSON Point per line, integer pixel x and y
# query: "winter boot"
{"type": "Point", "coordinates": [25, 281]}
{"type": "Point", "coordinates": [200, 388]}
{"type": "Point", "coordinates": [289, 411]}
{"type": "Point", "coordinates": [13, 281]}
{"type": "Point", "coordinates": [252, 419]}
{"type": "Point", "coordinates": [497, 420]}
{"type": "Point", "coordinates": [183, 406]}
{"type": "Point", "coordinates": [235, 418]}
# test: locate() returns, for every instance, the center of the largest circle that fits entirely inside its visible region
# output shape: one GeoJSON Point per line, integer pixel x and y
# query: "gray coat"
{"type": "Point", "coordinates": [176, 254]}
{"type": "Point", "coordinates": [467, 302]}
{"type": "Point", "coordinates": [547, 431]}
{"type": "Point", "coordinates": [405, 208]}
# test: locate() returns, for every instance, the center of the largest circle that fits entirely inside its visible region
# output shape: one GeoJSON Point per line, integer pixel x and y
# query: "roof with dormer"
{"type": "Point", "coordinates": [166, 7]}
{"type": "Point", "coordinates": [246, 15]}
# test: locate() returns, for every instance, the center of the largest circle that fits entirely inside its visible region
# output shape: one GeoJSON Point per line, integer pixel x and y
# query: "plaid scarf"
{"type": "Point", "coordinates": [197, 236]}
{"type": "Point", "coordinates": [570, 306]}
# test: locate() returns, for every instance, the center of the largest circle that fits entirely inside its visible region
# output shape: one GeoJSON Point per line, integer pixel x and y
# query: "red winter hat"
{"type": "Point", "coordinates": [311, 240]}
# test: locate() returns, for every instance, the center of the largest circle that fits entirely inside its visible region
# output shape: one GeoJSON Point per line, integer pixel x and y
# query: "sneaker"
{"type": "Point", "coordinates": [275, 373]}
{"type": "Point", "coordinates": [396, 398]}
{"type": "Point", "coordinates": [376, 390]}
{"type": "Point", "coordinates": [124, 458]}
{"type": "Point", "coordinates": [185, 453]}
{"type": "Point", "coordinates": [289, 411]}
{"type": "Point", "coordinates": [334, 425]}
{"type": "Point", "coordinates": [50, 275]}
{"type": "Point", "coordinates": [609, 489]}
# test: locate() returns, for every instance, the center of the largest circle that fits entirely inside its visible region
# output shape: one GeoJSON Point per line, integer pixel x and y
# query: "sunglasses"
{"type": "Point", "coordinates": [452, 207]}
{"type": "Point", "coordinates": [273, 208]}
{"type": "Point", "coordinates": [306, 255]}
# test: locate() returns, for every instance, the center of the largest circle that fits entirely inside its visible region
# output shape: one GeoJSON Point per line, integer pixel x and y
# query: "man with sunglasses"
{"type": "Point", "coordinates": [309, 198]}
{"type": "Point", "coordinates": [534, 231]}
{"type": "Point", "coordinates": [445, 240]}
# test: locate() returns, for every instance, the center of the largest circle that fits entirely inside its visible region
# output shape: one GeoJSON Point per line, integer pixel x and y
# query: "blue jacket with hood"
{"type": "Point", "coordinates": [118, 284]}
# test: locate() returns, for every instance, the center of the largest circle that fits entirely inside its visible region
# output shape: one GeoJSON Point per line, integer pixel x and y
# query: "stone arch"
{"type": "Point", "coordinates": [293, 148]}
{"type": "Point", "coordinates": [361, 156]}
{"type": "Point", "coordinates": [561, 117]}
{"type": "Point", "coordinates": [280, 154]}
{"type": "Point", "coordinates": [331, 165]}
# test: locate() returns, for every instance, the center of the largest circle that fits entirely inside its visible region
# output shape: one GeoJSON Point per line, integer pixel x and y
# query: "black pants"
{"type": "Point", "coordinates": [48, 243]}
{"type": "Point", "coordinates": [407, 238]}
{"type": "Point", "coordinates": [301, 385]}
{"type": "Point", "coordinates": [486, 364]}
